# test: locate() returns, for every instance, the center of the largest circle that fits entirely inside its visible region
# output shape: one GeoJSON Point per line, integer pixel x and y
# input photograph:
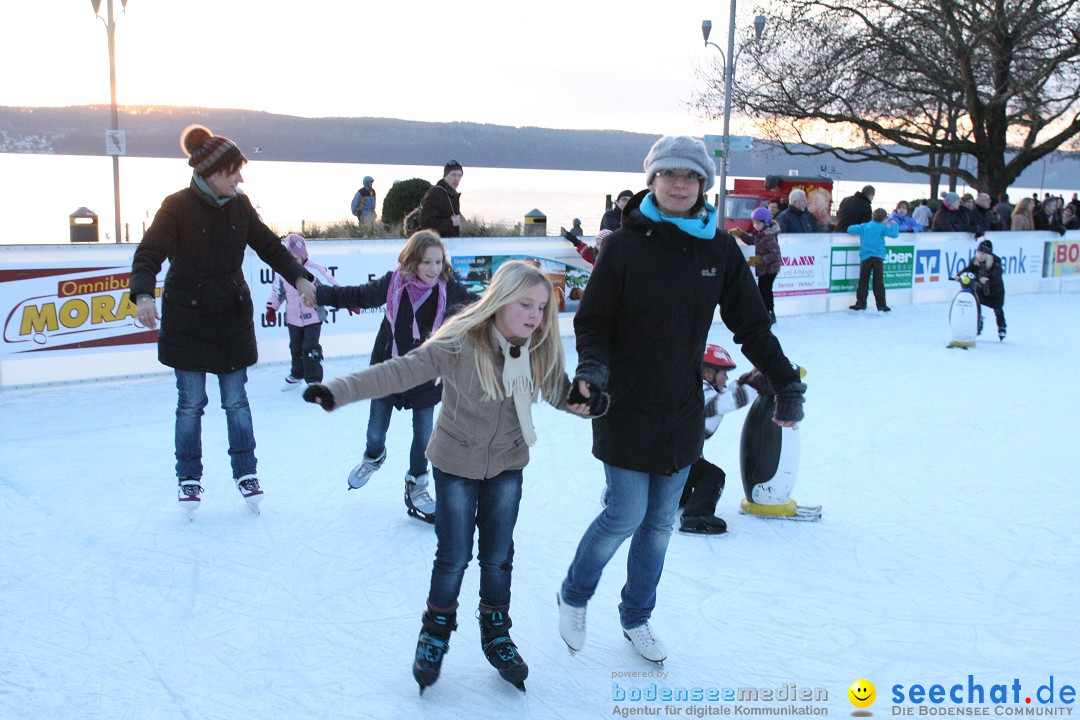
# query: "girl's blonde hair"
{"type": "Point", "coordinates": [510, 283]}
{"type": "Point", "coordinates": [413, 253]}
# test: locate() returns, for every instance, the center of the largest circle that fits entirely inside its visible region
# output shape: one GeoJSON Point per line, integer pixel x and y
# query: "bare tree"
{"type": "Point", "coordinates": [913, 83]}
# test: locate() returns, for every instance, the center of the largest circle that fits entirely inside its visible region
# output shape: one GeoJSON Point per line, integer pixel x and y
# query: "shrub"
{"type": "Point", "coordinates": [399, 200]}
{"type": "Point", "coordinates": [478, 227]}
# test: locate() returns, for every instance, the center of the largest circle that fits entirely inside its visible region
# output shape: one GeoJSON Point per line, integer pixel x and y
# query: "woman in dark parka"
{"type": "Point", "coordinates": [207, 316]}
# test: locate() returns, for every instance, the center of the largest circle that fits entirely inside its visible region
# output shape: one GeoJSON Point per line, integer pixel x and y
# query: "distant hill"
{"type": "Point", "coordinates": [155, 132]}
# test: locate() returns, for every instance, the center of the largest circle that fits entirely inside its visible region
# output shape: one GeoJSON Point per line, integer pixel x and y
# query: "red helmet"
{"type": "Point", "coordinates": [717, 357]}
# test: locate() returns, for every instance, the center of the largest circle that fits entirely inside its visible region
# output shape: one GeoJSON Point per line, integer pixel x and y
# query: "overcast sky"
{"type": "Point", "coordinates": [559, 64]}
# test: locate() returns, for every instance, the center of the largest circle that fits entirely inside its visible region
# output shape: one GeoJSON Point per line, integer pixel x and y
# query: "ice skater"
{"type": "Point", "coordinates": [706, 481]}
{"type": "Point", "coordinates": [418, 294]}
{"type": "Point", "coordinates": [494, 358]}
{"type": "Point", "coordinates": [642, 327]}
{"type": "Point", "coordinates": [990, 288]}
{"type": "Point", "coordinates": [304, 323]}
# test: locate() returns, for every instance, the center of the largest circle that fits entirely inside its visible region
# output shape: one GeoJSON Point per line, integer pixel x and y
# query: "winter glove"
{"type": "Point", "coordinates": [754, 379]}
{"type": "Point", "coordinates": [789, 402]}
{"type": "Point", "coordinates": [599, 404]}
{"type": "Point", "coordinates": [354, 311]}
{"type": "Point", "coordinates": [271, 315]}
{"type": "Point", "coordinates": [572, 238]}
{"type": "Point", "coordinates": [320, 395]}
{"type": "Point", "coordinates": [753, 260]}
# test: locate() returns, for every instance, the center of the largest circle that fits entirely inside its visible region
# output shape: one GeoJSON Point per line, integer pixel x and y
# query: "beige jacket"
{"type": "Point", "coordinates": [473, 437]}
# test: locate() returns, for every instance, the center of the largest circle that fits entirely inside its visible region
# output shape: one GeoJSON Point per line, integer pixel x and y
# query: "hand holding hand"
{"type": "Point", "coordinates": [147, 312]}
{"type": "Point", "coordinates": [306, 288]}
{"type": "Point", "coordinates": [754, 379]}
{"type": "Point", "coordinates": [271, 315]}
{"type": "Point", "coordinates": [320, 395]}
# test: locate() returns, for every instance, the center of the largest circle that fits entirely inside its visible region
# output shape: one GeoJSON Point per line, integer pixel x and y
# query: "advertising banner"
{"type": "Point", "coordinates": [845, 264]}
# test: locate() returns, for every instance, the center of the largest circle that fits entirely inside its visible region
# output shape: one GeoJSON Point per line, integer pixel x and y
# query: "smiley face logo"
{"type": "Point", "coordinates": [862, 693]}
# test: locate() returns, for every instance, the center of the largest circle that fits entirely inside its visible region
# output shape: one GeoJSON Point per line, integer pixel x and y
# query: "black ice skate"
{"type": "Point", "coordinates": [499, 649]}
{"type": "Point", "coordinates": [432, 645]}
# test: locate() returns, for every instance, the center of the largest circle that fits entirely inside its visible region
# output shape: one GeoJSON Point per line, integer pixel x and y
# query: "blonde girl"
{"type": "Point", "coordinates": [418, 294]}
{"type": "Point", "coordinates": [495, 358]}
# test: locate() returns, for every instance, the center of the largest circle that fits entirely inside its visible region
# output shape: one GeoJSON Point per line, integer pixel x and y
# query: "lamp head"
{"type": "Point", "coordinates": [706, 28]}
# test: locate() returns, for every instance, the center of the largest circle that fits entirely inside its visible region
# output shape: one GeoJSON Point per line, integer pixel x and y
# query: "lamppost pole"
{"type": "Point", "coordinates": [729, 77]}
{"type": "Point", "coordinates": [110, 30]}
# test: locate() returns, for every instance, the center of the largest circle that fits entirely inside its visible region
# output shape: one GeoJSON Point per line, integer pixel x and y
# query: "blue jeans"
{"type": "Point", "coordinates": [638, 504]}
{"type": "Point", "coordinates": [379, 423]}
{"type": "Point", "coordinates": [465, 505]}
{"type": "Point", "coordinates": [191, 388]}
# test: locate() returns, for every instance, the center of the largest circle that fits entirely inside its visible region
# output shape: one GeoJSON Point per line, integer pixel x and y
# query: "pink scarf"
{"type": "Point", "coordinates": [418, 291]}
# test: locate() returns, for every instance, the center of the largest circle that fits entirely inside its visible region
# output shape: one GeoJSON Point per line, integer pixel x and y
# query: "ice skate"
{"type": "Point", "coordinates": [432, 646]}
{"type": "Point", "coordinates": [248, 485]}
{"type": "Point", "coordinates": [702, 525]}
{"type": "Point", "coordinates": [499, 649]}
{"type": "Point", "coordinates": [647, 644]}
{"type": "Point", "coordinates": [418, 499]}
{"type": "Point", "coordinates": [291, 383]}
{"type": "Point", "coordinates": [188, 495]}
{"type": "Point", "coordinates": [571, 624]}
{"type": "Point", "coordinates": [360, 474]}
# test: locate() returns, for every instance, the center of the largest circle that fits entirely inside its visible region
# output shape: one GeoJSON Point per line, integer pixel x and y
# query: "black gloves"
{"type": "Point", "coordinates": [598, 400]}
{"type": "Point", "coordinates": [320, 395]}
{"type": "Point", "coordinates": [572, 238]}
{"type": "Point", "coordinates": [789, 402]}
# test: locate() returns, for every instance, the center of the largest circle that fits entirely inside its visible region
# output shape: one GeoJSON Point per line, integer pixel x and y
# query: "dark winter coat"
{"type": "Point", "coordinates": [854, 210]}
{"type": "Point", "coordinates": [983, 220]}
{"type": "Point", "coordinates": [992, 293]}
{"type": "Point", "coordinates": [794, 220]}
{"type": "Point", "coordinates": [207, 316]}
{"type": "Point", "coordinates": [373, 295]}
{"type": "Point", "coordinates": [641, 331]}
{"type": "Point", "coordinates": [440, 202]}
{"type": "Point", "coordinates": [612, 219]}
{"type": "Point", "coordinates": [946, 220]}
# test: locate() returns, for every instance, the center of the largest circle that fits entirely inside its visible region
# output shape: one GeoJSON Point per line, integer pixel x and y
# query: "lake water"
{"type": "Point", "coordinates": [41, 191]}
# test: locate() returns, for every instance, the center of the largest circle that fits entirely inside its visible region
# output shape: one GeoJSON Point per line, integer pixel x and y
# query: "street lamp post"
{"type": "Point", "coordinates": [110, 29]}
{"type": "Point", "coordinates": [729, 76]}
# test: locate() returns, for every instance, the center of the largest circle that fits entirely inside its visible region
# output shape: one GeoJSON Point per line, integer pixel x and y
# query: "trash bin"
{"type": "Point", "coordinates": [84, 226]}
{"type": "Point", "coordinates": [535, 224]}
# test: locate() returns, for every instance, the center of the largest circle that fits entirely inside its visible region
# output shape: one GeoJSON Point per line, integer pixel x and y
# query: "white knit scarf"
{"type": "Point", "coordinates": [517, 382]}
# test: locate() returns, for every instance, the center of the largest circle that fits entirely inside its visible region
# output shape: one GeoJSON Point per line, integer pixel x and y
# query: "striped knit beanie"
{"type": "Point", "coordinates": [208, 153]}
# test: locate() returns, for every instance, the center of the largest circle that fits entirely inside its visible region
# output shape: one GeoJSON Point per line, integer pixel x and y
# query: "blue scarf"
{"type": "Point", "coordinates": [206, 189]}
{"type": "Point", "coordinates": [702, 225]}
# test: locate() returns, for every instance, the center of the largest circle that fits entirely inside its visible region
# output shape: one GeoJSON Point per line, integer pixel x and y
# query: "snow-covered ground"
{"type": "Point", "coordinates": [949, 547]}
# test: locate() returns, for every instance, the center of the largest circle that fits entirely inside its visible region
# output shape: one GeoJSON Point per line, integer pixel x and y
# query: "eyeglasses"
{"type": "Point", "coordinates": [689, 176]}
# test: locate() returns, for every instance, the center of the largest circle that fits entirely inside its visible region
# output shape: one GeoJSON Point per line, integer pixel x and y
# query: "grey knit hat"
{"type": "Point", "coordinates": [674, 152]}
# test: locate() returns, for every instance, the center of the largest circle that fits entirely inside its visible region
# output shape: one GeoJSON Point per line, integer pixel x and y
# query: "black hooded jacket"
{"type": "Point", "coordinates": [207, 316]}
{"type": "Point", "coordinates": [641, 332]}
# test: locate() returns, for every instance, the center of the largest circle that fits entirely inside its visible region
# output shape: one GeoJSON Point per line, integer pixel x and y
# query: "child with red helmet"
{"type": "Point", "coordinates": [706, 481]}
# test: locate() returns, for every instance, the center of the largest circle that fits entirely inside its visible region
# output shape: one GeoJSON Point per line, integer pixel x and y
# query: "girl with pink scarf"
{"type": "Point", "coordinates": [418, 296]}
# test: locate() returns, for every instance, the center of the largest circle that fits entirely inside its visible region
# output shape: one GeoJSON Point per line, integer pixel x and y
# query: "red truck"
{"type": "Point", "coordinates": [752, 193]}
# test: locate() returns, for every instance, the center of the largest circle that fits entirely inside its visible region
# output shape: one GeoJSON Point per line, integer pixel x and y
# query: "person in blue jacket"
{"type": "Point", "coordinates": [872, 254]}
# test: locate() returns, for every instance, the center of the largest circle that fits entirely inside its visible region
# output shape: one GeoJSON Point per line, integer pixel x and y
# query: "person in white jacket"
{"type": "Point", "coordinates": [706, 481]}
{"type": "Point", "coordinates": [304, 323]}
